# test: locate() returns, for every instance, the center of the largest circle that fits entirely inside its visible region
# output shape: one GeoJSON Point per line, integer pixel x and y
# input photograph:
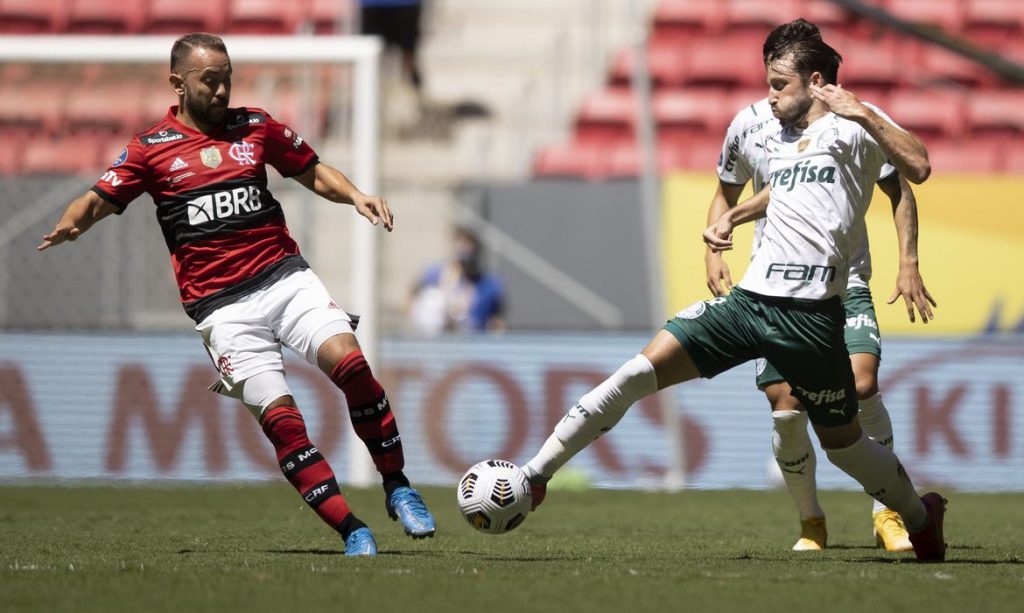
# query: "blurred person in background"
{"type": "Point", "coordinates": [744, 158]}
{"type": "Point", "coordinates": [243, 280]}
{"type": "Point", "coordinates": [398, 23]}
{"type": "Point", "coordinates": [459, 295]}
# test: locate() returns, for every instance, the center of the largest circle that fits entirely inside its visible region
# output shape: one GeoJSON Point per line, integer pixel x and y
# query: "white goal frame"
{"type": "Point", "coordinates": [363, 52]}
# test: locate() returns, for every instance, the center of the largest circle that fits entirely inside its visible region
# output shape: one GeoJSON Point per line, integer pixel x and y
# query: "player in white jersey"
{"type": "Point", "coordinates": [788, 307]}
{"type": "Point", "coordinates": [744, 158]}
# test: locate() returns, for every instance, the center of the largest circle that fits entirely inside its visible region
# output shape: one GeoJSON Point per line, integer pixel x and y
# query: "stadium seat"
{"type": "Point", "coordinates": [265, 16]}
{"type": "Point", "coordinates": [927, 114]}
{"type": "Point", "coordinates": [945, 65]}
{"type": "Point", "coordinates": [680, 20]}
{"type": "Point", "coordinates": [33, 106]}
{"type": "Point", "coordinates": [713, 62]}
{"type": "Point", "coordinates": [996, 112]}
{"type": "Point", "coordinates": [993, 22]}
{"type": "Point", "coordinates": [607, 116]}
{"type": "Point", "coordinates": [1015, 158]}
{"type": "Point", "coordinates": [32, 16]}
{"type": "Point", "coordinates": [624, 160]}
{"type": "Point", "coordinates": [683, 114]}
{"type": "Point", "coordinates": [956, 157]}
{"type": "Point", "coordinates": [946, 15]}
{"type": "Point", "coordinates": [12, 151]}
{"type": "Point", "coordinates": [571, 160]}
{"type": "Point", "coordinates": [666, 62]}
{"type": "Point", "coordinates": [758, 16]}
{"type": "Point", "coordinates": [868, 65]}
{"type": "Point", "coordinates": [331, 16]}
{"type": "Point", "coordinates": [67, 155]}
{"type": "Point", "coordinates": [829, 16]}
{"type": "Point", "coordinates": [105, 17]}
{"type": "Point", "coordinates": [183, 16]}
{"type": "Point", "coordinates": [113, 108]}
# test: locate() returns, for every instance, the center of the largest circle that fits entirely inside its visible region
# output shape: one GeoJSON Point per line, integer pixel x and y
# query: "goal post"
{"type": "Point", "coordinates": [361, 53]}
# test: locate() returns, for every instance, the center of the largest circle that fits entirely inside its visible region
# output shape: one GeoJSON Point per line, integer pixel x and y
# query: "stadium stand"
{"type": "Point", "coordinates": [32, 16]}
{"type": "Point", "coordinates": [105, 17]}
{"type": "Point", "coordinates": [692, 54]}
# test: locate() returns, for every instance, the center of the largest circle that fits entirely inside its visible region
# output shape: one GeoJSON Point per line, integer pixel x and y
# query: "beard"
{"type": "Point", "coordinates": [797, 114]}
{"type": "Point", "coordinates": [209, 113]}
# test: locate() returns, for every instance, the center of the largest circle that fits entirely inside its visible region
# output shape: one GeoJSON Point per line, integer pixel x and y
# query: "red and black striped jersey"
{"type": "Point", "coordinates": [225, 231]}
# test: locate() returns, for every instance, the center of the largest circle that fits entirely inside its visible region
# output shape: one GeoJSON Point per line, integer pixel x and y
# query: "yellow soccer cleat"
{"type": "Point", "coordinates": [813, 535]}
{"type": "Point", "coordinates": [890, 533]}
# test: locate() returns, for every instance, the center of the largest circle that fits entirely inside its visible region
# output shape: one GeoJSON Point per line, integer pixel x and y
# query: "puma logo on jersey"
{"type": "Point", "coordinates": [802, 172]}
{"type": "Point", "coordinates": [223, 204]}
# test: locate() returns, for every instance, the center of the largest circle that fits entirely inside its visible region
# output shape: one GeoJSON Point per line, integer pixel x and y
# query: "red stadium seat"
{"type": "Point", "coordinates": [33, 106]}
{"type": "Point", "coordinates": [713, 62]}
{"type": "Point", "coordinates": [184, 16]}
{"type": "Point", "coordinates": [68, 155]}
{"type": "Point", "coordinates": [759, 15]}
{"type": "Point", "coordinates": [945, 65]}
{"type": "Point", "coordinates": [331, 16]}
{"type": "Point", "coordinates": [624, 160]}
{"type": "Point", "coordinates": [868, 65]}
{"type": "Point", "coordinates": [955, 157]}
{"type": "Point", "coordinates": [32, 16]}
{"type": "Point", "coordinates": [1015, 158]}
{"type": "Point", "coordinates": [997, 112]}
{"type": "Point", "coordinates": [607, 116]}
{"type": "Point", "coordinates": [666, 62]}
{"type": "Point", "coordinates": [265, 16]}
{"type": "Point", "coordinates": [680, 20]}
{"type": "Point", "coordinates": [947, 15]}
{"type": "Point", "coordinates": [682, 114]}
{"type": "Point", "coordinates": [12, 152]}
{"type": "Point", "coordinates": [105, 17]}
{"type": "Point", "coordinates": [994, 22]}
{"type": "Point", "coordinates": [829, 16]}
{"type": "Point", "coordinates": [113, 108]}
{"type": "Point", "coordinates": [927, 114]}
{"type": "Point", "coordinates": [571, 160]}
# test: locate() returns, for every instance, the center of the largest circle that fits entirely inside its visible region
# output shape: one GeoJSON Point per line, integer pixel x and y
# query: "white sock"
{"type": "Point", "coordinates": [874, 420]}
{"type": "Point", "coordinates": [793, 451]}
{"type": "Point", "coordinates": [880, 473]}
{"type": "Point", "coordinates": [595, 413]}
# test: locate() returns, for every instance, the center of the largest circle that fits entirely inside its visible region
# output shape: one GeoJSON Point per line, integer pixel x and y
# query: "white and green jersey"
{"type": "Point", "coordinates": [822, 179]}
{"type": "Point", "coordinates": [744, 158]}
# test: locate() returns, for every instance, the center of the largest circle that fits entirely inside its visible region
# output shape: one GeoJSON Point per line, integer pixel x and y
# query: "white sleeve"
{"type": "Point", "coordinates": [733, 167]}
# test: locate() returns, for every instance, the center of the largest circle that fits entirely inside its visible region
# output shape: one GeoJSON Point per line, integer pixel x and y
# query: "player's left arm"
{"type": "Point", "coordinates": [329, 182]}
{"type": "Point", "coordinates": [909, 283]}
{"type": "Point", "coordinates": [905, 151]}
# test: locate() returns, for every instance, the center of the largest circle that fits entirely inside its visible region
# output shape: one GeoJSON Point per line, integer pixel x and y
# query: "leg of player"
{"type": "Point", "coordinates": [664, 362]}
{"type": "Point", "coordinates": [888, 528]}
{"type": "Point", "coordinates": [880, 473]}
{"type": "Point", "coordinates": [300, 461]}
{"type": "Point", "coordinates": [342, 360]}
{"type": "Point", "coordinates": [791, 445]}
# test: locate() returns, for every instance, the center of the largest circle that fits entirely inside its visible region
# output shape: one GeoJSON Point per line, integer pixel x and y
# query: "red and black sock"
{"type": "Point", "coordinates": [306, 469]}
{"type": "Point", "coordinates": [372, 418]}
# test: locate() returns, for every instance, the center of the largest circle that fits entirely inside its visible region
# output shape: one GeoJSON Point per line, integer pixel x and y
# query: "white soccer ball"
{"type": "Point", "coordinates": [494, 496]}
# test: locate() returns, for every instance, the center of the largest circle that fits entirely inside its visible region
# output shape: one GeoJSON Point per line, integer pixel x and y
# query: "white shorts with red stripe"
{"type": "Point", "coordinates": [245, 337]}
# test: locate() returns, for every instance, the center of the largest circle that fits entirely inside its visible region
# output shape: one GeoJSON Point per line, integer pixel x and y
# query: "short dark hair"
{"type": "Point", "coordinates": [788, 34]}
{"type": "Point", "coordinates": [809, 53]}
{"type": "Point", "coordinates": [195, 40]}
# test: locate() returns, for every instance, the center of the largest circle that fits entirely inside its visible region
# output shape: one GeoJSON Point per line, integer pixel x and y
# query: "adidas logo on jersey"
{"type": "Point", "coordinates": [177, 165]}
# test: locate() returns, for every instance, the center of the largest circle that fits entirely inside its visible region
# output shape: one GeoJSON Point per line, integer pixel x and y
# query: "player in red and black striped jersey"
{"type": "Point", "coordinates": [242, 278]}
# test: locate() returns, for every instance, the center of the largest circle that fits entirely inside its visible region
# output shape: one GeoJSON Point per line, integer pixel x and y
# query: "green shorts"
{"type": "Point", "coordinates": [804, 338]}
{"type": "Point", "coordinates": [861, 334]}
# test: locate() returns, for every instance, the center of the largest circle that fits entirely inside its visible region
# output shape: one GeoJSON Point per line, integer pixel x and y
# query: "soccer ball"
{"type": "Point", "coordinates": [494, 496]}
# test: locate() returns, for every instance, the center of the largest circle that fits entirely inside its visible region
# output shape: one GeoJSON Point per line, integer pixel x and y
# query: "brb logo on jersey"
{"type": "Point", "coordinates": [221, 205]}
{"type": "Point", "coordinates": [242, 152]}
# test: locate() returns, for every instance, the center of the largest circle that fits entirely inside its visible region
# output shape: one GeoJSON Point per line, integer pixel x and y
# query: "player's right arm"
{"type": "Point", "coordinates": [80, 215]}
{"type": "Point", "coordinates": [719, 278]}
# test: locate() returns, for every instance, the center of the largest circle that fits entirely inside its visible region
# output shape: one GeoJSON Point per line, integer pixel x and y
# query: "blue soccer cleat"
{"type": "Point", "coordinates": [407, 505]}
{"type": "Point", "coordinates": [360, 543]}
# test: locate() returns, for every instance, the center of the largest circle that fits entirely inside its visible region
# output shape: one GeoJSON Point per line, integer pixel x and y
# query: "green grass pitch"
{"type": "Point", "coordinates": [256, 548]}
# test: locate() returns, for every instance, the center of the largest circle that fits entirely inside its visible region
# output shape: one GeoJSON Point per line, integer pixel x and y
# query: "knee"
{"type": "Point", "coordinates": [866, 384]}
{"type": "Point", "coordinates": [780, 397]}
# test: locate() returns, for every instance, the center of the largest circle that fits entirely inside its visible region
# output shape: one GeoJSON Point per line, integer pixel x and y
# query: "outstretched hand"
{"type": "Point", "coordinates": [375, 209]}
{"type": "Point", "coordinates": [910, 285]}
{"type": "Point", "coordinates": [62, 233]}
{"type": "Point", "coordinates": [838, 100]}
